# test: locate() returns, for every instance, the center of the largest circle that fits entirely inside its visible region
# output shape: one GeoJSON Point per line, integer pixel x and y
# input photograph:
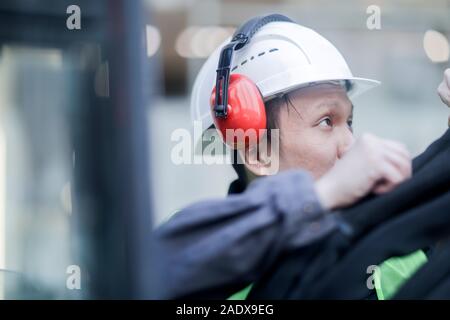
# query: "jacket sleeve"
{"type": "Point", "coordinates": [214, 248]}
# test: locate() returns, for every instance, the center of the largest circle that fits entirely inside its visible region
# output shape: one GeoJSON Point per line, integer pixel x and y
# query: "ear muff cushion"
{"type": "Point", "coordinates": [246, 114]}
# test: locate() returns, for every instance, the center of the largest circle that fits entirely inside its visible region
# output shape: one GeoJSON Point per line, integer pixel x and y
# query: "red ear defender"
{"type": "Point", "coordinates": [246, 115]}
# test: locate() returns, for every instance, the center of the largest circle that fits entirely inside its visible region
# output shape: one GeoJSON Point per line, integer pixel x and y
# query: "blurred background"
{"type": "Point", "coordinates": [87, 116]}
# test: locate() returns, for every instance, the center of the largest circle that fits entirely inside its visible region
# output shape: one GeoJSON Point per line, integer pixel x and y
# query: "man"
{"type": "Point", "coordinates": [217, 247]}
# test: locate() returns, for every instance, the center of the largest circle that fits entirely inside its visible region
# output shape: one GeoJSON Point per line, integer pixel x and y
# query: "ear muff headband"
{"type": "Point", "coordinates": [240, 39]}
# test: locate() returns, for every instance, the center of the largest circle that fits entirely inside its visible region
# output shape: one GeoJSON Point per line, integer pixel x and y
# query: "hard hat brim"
{"type": "Point", "coordinates": [361, 85]}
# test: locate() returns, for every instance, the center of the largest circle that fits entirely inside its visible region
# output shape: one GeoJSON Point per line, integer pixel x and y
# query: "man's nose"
{"type": "Point", "coordinates": [345, 143]}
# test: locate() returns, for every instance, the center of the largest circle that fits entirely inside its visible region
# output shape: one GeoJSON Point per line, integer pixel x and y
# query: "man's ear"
{"type": "Point", "coordinates": [261, 159]}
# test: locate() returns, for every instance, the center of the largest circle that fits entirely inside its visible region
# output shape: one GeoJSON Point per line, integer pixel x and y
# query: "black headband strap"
{"type": "Point", "coordinates": [240, 39]}
{"type": "Point", "coordinates": [248, 29]}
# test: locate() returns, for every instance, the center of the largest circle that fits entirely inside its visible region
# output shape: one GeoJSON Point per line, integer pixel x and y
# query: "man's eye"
{"type": "Point", "coordinates": [350, 123]}
{"type": "Point", "coordinates": [326, 122]}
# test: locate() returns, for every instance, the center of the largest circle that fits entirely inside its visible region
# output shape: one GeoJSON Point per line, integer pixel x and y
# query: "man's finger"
{"type": "Point", "coordinates": [391, 177]}
{"type": "Point", "coordinates": [397, 147]}
{"type": "Point", "coordinates": [444, 93]}
{"type": "Point", "coordinates": [447, 77]}
{"type": "Point", "coordinates": [402, 164]}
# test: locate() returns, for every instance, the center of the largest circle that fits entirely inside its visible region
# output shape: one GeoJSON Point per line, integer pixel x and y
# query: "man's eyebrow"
{"type": "Point", "coordinates": [331, 105]}
{"type": "Point", "coordinates": [327, 105]}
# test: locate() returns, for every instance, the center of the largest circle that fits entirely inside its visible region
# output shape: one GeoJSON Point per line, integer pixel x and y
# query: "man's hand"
{"type": "Point", "coordinates": [371, 165]}
{"type": "Point", "coordinates": [444, 90]}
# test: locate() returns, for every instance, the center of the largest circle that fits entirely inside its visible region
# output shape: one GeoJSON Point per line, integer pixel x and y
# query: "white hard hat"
{"type": "Point", "coordinates": [281, 57]}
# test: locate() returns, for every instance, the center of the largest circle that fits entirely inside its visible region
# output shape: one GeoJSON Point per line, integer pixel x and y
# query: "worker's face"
{"type": "Point", "coordinates": [315, 128]}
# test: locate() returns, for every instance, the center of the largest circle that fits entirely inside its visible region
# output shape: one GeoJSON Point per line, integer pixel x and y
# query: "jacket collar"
{"type": "Point", "coordinates": [237, 186]}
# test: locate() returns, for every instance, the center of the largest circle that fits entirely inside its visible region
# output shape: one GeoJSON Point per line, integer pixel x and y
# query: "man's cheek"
{"type": "Point", "coordinates": [315, 162]}
{"type": "Point", "coordinates": [324, 159]}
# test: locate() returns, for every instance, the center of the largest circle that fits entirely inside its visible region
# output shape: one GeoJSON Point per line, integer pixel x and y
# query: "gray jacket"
{"type": "Point", "coordinates": [214, 248]}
